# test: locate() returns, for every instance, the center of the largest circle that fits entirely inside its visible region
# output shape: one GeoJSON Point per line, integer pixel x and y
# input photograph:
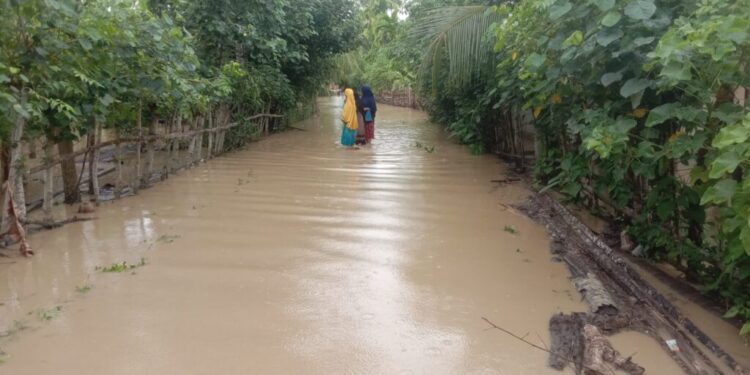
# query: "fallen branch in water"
{"type": "Point", "coordinates": [47, 224]}
{"type": "Point", "coordinates": [590, 371]}
{"type": "Point", "coordinates": [506, 180]}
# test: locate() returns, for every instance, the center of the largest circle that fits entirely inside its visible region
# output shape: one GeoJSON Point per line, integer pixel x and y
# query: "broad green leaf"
{"type": "Point", "coordinates": [611, 18]}
{"type": "Point", "coordinates": [634, 86]}
{"type": "Point", "coordinates": [745, 329]}
{"type": "Point", "coordinates": [720, 192]}
{"type": "Point", "coordinates": [676, 71]}
{"type": "Point", "coordinates": [607, 36]}
{"type": "Point", "coordinates": [733, 311]}
{"type": "Point", "coordinates": [610, 78]}
{"type": "Point", "coordinates": [661, 113]}
{"type": "Point", "coordinates": [85, 43]}
{"type": "Point", "coordinates": [729, 113]}
{"type": "Point", "coordinates": [727, 161]}
{"type": "Point", "coordinates": [575, 39]}
{"type": "Point", "coordinates": [535, 60]}
{"type": "Point", "coordinates": [21, 111]}
{"type": "Point", "coordinates": [745, 238]}
{"type": "Point", "coordinates": [625, 124]}
{"type": "Point", "coordinates": [642, 41]}
{"type": "Point", "coordinates": [604, 5]}
{"type": "Point", "coordinates": [559, 9]}
{"type": "Point", "coordinates": [4, 78]}
{"type": "Point", "coordinates": [732, 134]}
{"type": "Point", "coordinates": [640, 9]}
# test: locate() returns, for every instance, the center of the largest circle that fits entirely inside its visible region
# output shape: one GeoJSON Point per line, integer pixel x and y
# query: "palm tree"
{"type": "Point", "coordinates": [458, 35]}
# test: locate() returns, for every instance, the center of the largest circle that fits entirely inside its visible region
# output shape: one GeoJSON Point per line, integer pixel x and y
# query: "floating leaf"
{"type": "Point", "coordinates": [640, 9]}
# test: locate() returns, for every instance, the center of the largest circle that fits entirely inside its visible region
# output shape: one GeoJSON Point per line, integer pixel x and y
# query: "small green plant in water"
{"type": "Point", "coordinates": [124, 266]}
{"type": "Point", "coordinates": [510, 229]}
{"type": "Point", "coordinates": [166, 238]}
{"type": "Point", "coordinates": [49, 314]}
{"type": "Point", "coordinates": [429, 149]}
{"type": "Point", "coordinates": [84, 289]}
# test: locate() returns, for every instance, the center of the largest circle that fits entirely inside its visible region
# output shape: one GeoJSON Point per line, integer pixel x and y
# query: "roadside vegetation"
{"type": "Point", "coordinates": [638, 109]}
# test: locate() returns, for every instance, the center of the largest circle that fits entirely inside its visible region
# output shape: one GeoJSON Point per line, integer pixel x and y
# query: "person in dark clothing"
{"type": "Point", "coordinates": [369, 108]}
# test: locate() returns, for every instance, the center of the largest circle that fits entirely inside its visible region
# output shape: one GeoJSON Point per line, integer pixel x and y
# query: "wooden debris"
{"type": "Point", "coordinates": [639, 307]}
{"type": "Point", "coordinates": [595, 294]}
{"type": "Point", "coordinates": [599, 357]}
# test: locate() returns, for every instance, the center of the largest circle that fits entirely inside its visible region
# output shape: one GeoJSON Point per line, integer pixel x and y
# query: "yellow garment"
{"type": "Point", "coordinates": [349, 117]}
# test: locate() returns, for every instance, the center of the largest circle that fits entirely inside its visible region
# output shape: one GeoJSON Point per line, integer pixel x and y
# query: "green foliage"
{"type": "Point", "coordinates": [49, 314]}
{"type": "Point", "coordinates": [65, 65]}
{"type": "Point", "coordinates": [123, 266]}
{"type": "Point", "coordinates": [622, 93]}
{"type": "Point", "coordinates": [634, 103]}
{"type": "Point", "coordinates": [84, 289]}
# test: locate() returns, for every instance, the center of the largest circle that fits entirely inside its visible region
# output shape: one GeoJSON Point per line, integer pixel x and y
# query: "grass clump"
{"type": "Point", "coordinates": [510, 229]}
{"type": "Point", "coordinates": [122, 267]}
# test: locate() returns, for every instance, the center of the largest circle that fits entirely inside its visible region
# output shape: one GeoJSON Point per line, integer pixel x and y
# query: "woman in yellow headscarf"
{"type": "Point", "coordinates": [349, 117]}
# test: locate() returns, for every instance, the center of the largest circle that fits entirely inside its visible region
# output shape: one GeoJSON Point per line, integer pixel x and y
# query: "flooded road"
{"type": "Point", "coordinates": [298, 256]}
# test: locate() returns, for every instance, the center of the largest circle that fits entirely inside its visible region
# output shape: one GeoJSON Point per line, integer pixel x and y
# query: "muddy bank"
{"type": "Point", "coordinates": [298, 256]}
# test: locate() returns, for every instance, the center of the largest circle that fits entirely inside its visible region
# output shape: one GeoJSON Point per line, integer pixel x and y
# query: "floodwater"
{"type": "Point", "coordinates": [299, 256]}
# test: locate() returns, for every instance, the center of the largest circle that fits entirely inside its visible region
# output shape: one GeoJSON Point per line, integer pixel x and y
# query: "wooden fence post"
{"type": "Point", "coordinates": [139, 144]}
{"type": "Point", "coordinates": [146, 179]}
{"type": "Point", "coordinates": [118, 164]}
{"type": "Point", "coordinates": [94, 163]}
{"type": "Point", "coordinates": [48, 190]}
{"type": "Point", "coordinates": [210, 135]}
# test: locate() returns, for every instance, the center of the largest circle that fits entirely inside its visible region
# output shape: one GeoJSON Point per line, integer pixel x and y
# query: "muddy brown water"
{"type": "Point", "coordinates": [298, 256]}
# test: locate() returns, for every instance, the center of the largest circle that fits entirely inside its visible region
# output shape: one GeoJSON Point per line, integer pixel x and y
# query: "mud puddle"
{"type": "Point", "coordinates": [297, 256]}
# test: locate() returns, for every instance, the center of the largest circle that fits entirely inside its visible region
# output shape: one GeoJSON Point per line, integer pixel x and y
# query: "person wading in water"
{"type": "Point", "coordinates": [369, 108]}
{"type": "Point", "coordinates": [349, 119]}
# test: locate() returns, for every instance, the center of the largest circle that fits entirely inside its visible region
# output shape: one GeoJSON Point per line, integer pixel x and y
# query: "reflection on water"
{"type": "Point", "coordinates": [298, 256]}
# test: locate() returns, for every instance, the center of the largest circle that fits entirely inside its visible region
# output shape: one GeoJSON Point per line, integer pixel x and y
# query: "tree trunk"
{"type": "Point", "coordinates": [118, 164]}
{"type": "Point", "coordinates": [49, 192]}
{"type": "Point", "coordinates": [69, 174]}
{"type": "Point", "coordinates": [210, 135]}
{"type": "Point", "coordinates": [146, 179]}
{"type": "Point", "coordinates": [176, 145]}
{"type": "Point", "coordinates": [15, 176]}
{"type": "Point", "coordinates": [138, 171]}
{"type": "Point", "coordinates": [94, 162]}
{"type": "Point", "coordinates": [191, 146]}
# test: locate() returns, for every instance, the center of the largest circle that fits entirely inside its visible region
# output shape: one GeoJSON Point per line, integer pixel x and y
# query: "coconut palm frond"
{"type": "Point", "coordinates": [346, 65]}
{"type": "Point", "coordinates": [458, 34]}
